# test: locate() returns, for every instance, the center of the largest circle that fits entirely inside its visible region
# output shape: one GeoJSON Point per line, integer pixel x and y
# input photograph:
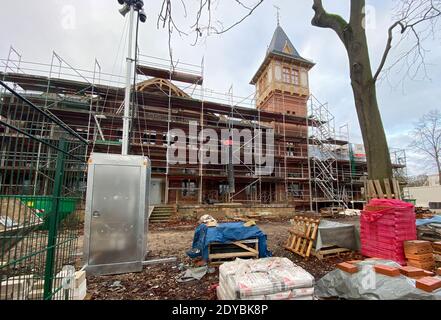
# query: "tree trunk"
{"type": "Point", "coordinates": [438, 164]}
{"type": "Point", "coordinates": [371, 125]}
{"type": "Point", "coordinates": [353, 36]}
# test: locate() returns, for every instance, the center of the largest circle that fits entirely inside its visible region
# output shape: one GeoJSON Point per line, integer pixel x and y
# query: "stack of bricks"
{"type": "Point", "coordinates": [419, 254]}
{"type": "Point", "coordinates": [384, 225]}
{"type": "Point", "coordinates": [437, 250]}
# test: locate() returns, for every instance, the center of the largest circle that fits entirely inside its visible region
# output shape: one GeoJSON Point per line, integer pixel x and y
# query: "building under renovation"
{"type": "Point", "coordinates": [315, 164]}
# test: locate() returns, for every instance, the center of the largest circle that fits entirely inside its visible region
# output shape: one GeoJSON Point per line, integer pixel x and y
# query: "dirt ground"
{"type": "Point", "coordinates": [158, 282]}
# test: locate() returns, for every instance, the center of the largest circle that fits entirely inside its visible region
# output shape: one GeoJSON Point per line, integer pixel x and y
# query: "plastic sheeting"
{"type": "Point", "coordinates": [366, 284]}
{"type": "Point", "coordinates": [384, 225]}
{"type": "Point", "coordinates": [331, 233]}
{"type": "Point", "coordinates": [225, 233]}
{"type": "Point", "coordinates": [422, 222]}
{"type": "Point", "coordinates": [264, 279]}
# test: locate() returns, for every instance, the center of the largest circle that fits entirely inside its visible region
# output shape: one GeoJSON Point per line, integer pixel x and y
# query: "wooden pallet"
{"type": "Point", "coordinates": [302, 235]}
{"type": "Point", "coordinates": [329, 252]}
{"type": "Point", "coordinates": [219, 253]}
{"type": "Point", "coordinates": [374, 189]}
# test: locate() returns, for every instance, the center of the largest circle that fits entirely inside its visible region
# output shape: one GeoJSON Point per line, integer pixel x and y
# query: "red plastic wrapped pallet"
{"type": "Point", "coordinates": [384, 225]}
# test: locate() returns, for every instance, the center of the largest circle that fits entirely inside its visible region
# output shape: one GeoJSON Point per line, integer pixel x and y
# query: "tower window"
{"type": "Point", "coordinates": [286, 75]}
{"type": "Point", "coordinates": [291, 76]}
{"type": "Point", "coordinates": [295, 77]}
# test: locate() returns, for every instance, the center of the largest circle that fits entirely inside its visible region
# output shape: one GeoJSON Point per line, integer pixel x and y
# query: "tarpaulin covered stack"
{"type": "Point", "coordinates": [264, 279]}
{"type": "Point", "coordinates": [384, 225]}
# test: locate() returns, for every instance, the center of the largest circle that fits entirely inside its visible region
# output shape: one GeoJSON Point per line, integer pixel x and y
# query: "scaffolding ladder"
{"type": "Point", "coordinates": [324, 169]}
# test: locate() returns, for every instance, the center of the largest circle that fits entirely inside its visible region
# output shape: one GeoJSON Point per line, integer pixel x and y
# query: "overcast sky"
{"type": "Point", "coordinates": [82, 30]}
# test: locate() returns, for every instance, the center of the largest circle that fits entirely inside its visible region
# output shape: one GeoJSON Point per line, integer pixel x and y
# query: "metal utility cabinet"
{"type": "Point", "coordinates": [116, 224]}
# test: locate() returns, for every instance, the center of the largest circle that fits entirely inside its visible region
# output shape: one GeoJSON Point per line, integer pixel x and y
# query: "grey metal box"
{"type": "Point", "coordinates": [116, 223]}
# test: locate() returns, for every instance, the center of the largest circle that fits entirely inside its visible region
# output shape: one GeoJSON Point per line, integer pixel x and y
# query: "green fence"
{"type": "Point", "coordinates": [42, 186]}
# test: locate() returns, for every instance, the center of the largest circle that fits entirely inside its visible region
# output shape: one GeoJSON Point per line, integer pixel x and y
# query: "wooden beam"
{"type": "Point", "coordinates": [168, 75]}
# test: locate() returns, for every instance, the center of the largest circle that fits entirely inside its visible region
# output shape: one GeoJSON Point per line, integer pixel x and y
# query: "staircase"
{"type": "Point", "coordinates": [162, 213]}
{"type": "Point", "coordinates": [324, 164]}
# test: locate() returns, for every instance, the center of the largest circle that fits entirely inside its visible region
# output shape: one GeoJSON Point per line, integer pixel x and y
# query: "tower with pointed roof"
{"type": "Point", "coordinates": [282, 86]}
{"type": "Point", "coordinates": [282, 81]}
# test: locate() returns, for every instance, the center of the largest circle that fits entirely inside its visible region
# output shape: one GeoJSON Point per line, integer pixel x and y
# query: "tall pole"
{"type": "Point", "coordinates": [126, 118]}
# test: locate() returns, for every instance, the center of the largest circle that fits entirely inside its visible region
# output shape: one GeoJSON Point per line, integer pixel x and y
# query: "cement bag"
{"type": "Point", "coordinates": [244, 279]}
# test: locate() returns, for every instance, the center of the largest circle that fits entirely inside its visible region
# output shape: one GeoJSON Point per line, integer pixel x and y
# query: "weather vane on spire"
{"type": "Point", "coordinates": [278, 14]}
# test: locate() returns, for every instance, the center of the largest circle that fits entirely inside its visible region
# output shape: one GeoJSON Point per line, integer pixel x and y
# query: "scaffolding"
{"type": "Point", "coordinates": [315, 167]}
{"type": "Point", "coordinates": [322, 144]}
{"type": "Point", "coordinates": [41, 194]}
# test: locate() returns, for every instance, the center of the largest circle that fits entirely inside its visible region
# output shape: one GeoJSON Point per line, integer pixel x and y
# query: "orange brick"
{"type": "Point", "coordinates": [410, 271]}
{"type": "Point", "coordinates": [428, 284]}
{"type": "Point", "coordinates": [387, 271]}
{"type": "Point", "coordinates": [417, 247]}
{"type": "Point", "coordinates": [347, 267]}
{"type": "Point", "coordinates": [421, 265]}
{"type": "Point", "coordinates": [438, 271]}
{"type": "Point", "coordinates": [354, 261]}
{"type": "Point", "coordinates": [425, 257]}
{"type": "Point", "coordinates": [429, 273]}
{"type": "Point", "coordinates": [436, 247]}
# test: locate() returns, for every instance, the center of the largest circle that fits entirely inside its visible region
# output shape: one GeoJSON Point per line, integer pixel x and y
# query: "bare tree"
{"type": "Point", "coordinates": [415, 19]}
{"type": "Point", "coordinates": [417, 181]}
{"type": "Point", "coordinates": [427, 138]}
{"type": "Point", "coordinates": [202, 16]}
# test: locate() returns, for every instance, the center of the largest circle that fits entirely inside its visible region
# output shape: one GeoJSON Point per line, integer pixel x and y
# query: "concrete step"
{"type": "Point", "coordinates": [167, 211]}
{"type": "Point", "coordinates": [159, 221]}
{"type": "Point", "coordinates": [166, 215]}
{"type": "Point", "coordinates": [162, 214]}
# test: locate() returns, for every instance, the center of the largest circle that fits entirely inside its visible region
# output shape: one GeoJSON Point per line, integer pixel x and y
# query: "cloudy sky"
{"type": "Point", "coordinates": [82, 30]}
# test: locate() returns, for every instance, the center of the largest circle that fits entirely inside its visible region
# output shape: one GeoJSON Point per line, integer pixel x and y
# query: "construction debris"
{"type": "Point", "coordinates": [192, 274]}
{"type": "Point", "coordinates": [350, 212]}
{"type": "Point", "coordinates": [423, 213]}
{"type": "Point", "coordinates": [264, 279]}
{"type": "Point", "coordinates": [429, 229]}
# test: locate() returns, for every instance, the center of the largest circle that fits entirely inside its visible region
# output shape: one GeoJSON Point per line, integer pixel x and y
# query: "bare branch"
{"type": "Point", "coordinates": [388, 48]}
{"type": "Point", "coordinates": [416, 20]}
{"type": "Point", "coordinates": [204, 23]}
{"type": "Point", "coordinates": [322, 19]}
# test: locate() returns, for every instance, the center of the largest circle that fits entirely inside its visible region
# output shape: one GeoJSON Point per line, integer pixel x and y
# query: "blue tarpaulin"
{"type": "Point", "coordinates": [225, 233]}
{"type": "Point", "coordinates": [435, 219]}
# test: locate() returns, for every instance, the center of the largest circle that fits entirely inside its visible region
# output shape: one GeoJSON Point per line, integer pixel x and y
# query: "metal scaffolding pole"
{"type": "Point", "coordinates": [126, 118]}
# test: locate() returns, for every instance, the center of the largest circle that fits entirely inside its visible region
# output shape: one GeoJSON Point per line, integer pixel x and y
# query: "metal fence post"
{"type": "Point", "coordinates": [53, 222]}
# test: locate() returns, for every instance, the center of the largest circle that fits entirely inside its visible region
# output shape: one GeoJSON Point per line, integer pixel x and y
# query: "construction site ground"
{"type": "Point", "coordinates": [159, 282]}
